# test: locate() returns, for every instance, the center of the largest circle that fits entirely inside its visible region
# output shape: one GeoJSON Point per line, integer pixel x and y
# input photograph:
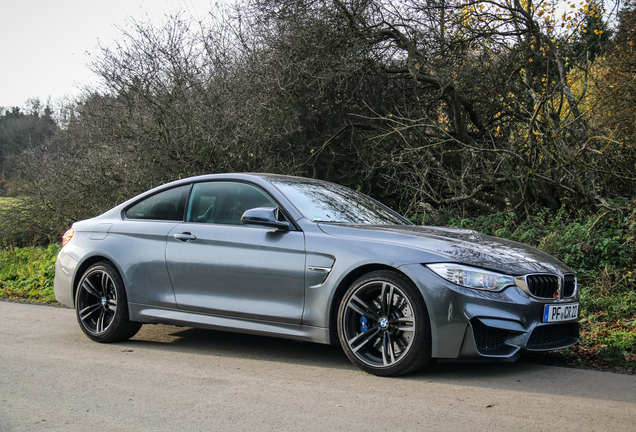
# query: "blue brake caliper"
{"type": "Point", "coordinates": [363, 324]}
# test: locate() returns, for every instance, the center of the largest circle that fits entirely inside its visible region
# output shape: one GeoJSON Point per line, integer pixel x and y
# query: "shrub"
{"type": "Point", "coordinates": [26, 274]}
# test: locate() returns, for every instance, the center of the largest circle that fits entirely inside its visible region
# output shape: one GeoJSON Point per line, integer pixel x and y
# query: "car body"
{"type": "Point", "coordinates": [314, 261]}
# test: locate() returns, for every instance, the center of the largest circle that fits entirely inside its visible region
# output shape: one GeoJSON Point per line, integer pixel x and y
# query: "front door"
{"type": "Point", "coordinates": [219, 266]}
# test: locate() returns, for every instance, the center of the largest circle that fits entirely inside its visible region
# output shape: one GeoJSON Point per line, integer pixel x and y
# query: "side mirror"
{"type": "Point", "coordinates": [264, 216]}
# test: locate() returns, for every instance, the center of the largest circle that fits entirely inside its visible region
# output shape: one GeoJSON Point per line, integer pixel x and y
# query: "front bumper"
{"type": "Point", "coordinates": [473, 324]}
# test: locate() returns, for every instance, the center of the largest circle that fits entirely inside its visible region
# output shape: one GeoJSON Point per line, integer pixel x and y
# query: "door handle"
{"type": "Point", "coordinates": [185, 237]}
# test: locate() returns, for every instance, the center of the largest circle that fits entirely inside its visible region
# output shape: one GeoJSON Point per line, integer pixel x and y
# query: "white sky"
{"type": "Point", "coordinates": [45, 44]}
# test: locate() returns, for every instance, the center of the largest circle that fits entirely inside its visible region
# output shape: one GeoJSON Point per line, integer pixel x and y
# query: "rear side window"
{"type": "Point", "coordinates": [167, 205]}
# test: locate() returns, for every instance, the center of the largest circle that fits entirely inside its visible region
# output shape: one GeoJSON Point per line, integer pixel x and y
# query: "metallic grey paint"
{"type": "Point", "coordinates": [289, 283]}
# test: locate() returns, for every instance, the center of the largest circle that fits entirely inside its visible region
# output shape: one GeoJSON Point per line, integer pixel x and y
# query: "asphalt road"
{"type": "Point", "coordinates": [53, 378]}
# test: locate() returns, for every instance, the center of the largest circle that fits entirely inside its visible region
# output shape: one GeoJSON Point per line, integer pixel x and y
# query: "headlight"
{"type": "Point", "coordinates": [472, 277]}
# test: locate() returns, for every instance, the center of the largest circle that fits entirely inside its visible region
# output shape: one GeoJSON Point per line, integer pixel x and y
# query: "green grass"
{"type": "Point", "coordinates": [26, 274]}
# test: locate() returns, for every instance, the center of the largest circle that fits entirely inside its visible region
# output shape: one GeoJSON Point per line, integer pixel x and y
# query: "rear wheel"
{"type": "Point", "coordinates": [101, 306]}
{"type": "Point", "coordinates": [383, 325]}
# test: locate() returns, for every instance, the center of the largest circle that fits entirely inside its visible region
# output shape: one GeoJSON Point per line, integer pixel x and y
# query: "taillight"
{"type": "Point", "coordinates": [68, 235]}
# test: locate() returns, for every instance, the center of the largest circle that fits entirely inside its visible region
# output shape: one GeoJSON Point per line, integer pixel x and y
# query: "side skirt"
{"type": "Point", "coordinates": [157, 315]}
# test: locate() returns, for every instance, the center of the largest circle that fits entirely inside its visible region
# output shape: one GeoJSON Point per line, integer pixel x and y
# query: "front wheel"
{"type": "Point", "coordinates": [101, 306]}
{"type": "Point", "coordinates": [383, 325]}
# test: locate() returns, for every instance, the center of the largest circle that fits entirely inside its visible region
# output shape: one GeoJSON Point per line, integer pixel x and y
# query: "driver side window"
{"type": "Point", "coordinates": [223, 202]}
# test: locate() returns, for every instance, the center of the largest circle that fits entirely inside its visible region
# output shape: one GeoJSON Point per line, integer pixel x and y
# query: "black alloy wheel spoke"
{"type": "Point", "coordinates": [88, 287]}
{"type": "Point", "coordinates": [362, 307]}
{"type": "Point", "coordinates": [100, 321]}
{"type": "Point", "coordinates": [112, 304]}
{"type": "Point", "coordinates": [386, 298]}
{"type": "Point", "coordinates": [89, 310]}
{"type": "Point", "coordinates": [388, 354]}
{"type": "Point", "coordinates": [405, 324]}
{"type": "Point", "coordinates": [107, 284]}
{"type": "Point", "coordinates": [366, 337]}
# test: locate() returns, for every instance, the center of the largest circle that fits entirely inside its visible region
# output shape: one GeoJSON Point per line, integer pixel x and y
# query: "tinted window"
{"type": "Point", "coordinates": [322, 201]}
{"type": "Point", "coordinates": [166, 205]}
{"type": "Point", "coordinates": [224, 202]}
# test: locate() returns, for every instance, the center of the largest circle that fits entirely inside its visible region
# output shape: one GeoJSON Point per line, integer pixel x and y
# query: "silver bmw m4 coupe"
{"type": "Point", "coordinates": [314, 261]}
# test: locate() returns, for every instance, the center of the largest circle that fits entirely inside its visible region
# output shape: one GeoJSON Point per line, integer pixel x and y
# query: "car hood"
{"type": "Point", "coordinates": [456, 245]}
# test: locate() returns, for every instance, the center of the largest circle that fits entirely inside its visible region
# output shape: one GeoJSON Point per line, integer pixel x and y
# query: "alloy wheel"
{"type": "Point", "coordinates": [97, 301]}
{"type": "Point", "coordinates": [379, 324]}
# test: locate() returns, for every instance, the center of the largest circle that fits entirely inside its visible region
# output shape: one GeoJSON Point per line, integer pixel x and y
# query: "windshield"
{"type": "Point", "coordinates": [329, 202]}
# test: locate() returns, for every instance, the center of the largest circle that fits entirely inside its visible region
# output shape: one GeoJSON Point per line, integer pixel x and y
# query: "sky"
{"type": "Point", "coordinates": [45, 45]}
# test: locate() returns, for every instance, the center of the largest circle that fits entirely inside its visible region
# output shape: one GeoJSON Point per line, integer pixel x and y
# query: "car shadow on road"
{"type": "Point", "coordinates": [255, 347]}
{"type": "Point", "coordinates": [239, 345]}
{"type": "Point", "coordinates": [520, 375]}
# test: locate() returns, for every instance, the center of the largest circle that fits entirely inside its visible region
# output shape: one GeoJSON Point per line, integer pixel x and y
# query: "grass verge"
{"type": "Point", "coordinates": [26, 274]}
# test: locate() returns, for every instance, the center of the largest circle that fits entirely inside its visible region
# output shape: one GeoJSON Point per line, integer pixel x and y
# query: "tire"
{"type": "Point", "coordinates": [101, 306]}
{"type": "Point", "coordinates": [384, 326]}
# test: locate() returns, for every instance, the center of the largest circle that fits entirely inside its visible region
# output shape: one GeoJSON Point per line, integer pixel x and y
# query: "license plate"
{"type": "Point", "coordinates": [564, 312]}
